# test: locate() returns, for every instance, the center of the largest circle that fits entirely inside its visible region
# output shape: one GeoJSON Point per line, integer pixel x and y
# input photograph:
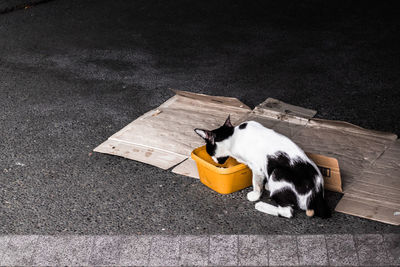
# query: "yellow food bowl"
{"type": "Point", "coordinates": [224, 178]}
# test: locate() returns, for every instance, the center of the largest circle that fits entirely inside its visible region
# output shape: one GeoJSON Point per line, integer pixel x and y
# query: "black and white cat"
{"type": "Point", "coordinates": [292, 178]}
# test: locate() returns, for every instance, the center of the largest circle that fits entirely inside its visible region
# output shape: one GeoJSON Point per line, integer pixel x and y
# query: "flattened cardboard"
{"type": "Point", "coordinates": [369, 160]}
{"type": "Point", "coordinates": [168, 130]}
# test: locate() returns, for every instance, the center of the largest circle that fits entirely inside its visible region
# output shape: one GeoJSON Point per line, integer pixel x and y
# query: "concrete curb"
{"type": "Point", "coordinates": [204, 250]}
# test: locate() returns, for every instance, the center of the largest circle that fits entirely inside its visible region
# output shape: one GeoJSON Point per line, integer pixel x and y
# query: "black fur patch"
{"type": "Point", "coordinates": [284, 198]}
{"type": "Point", "coordinates": [243, 126]}
{"type": "Point", "coordinates": [222, 133]}
{"type": "Point", "coordinates": [210, 148]}
{"type": "Point", "coordinates": [301, 174]}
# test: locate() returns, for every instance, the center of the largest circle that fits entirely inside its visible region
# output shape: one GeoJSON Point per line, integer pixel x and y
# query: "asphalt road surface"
{"type": "Point", "coordinates": [72, 73]}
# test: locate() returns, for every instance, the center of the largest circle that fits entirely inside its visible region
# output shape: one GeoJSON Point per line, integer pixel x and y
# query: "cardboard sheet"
{"type": "Point", "coordinates": [369, 160]}
{"type": "Point", "coordinates": [375, 193]}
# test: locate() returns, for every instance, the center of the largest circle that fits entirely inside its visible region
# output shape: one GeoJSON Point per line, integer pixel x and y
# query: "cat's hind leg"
{"type": "Point", "coordinates": [284, 197]}
{"type": "Point", "coordinates": [258, 183]}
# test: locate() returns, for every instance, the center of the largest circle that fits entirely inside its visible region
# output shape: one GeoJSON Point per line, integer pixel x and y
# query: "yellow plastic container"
{"type": "Point", "coordinates": [224, 178]}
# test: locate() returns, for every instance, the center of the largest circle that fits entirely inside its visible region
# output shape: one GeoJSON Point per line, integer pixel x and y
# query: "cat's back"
{"type": "Point", "coordinates": [255, 134]}
{"type": "Point", "coordinates": [253, 129]}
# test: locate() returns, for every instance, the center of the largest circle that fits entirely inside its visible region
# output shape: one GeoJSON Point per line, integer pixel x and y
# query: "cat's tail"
{"type": "Point", "coordinates": [273, 210]}
{"type": "Point", "coordinates": [318, 204]}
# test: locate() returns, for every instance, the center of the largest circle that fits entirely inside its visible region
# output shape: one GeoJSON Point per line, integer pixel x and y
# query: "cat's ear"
{"type": "Point", "coordinates": [206, 135]}
{"type": "Point", "coordinates": [228, 122]}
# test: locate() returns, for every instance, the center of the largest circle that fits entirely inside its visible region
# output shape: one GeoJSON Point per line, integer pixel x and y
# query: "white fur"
{"type": "Point", "coordinates": [251, 146]}
{"type": "Point", "coordinates": [201, 133]}
{"type": "Point", "coordinates": [253, 196]}
{"type": "Point", "coordinates": [272, 210]}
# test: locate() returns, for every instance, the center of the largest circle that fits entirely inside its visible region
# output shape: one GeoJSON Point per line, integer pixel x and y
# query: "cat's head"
{"type": "Point", "coordinates": [216, 141]}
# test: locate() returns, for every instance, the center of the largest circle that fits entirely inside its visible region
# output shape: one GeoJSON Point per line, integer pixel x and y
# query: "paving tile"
{"type": "Point", "coordinates": [3, 245]}
{"type": "Point", "coordinates": [63, 250]}
{"type": "Point", "coordinates": [135, 250]}
{"type": "Point", "coordinates": [253, 250]}
{"type": "Point", "coordinates": [105, 250]}
{"type": "Point", "coordinates": [341, 250]}
{"type": "Point", "coordinates": [223, 250]}
{"type": "Point", "coordinates": [19, 250]}
{"type": "Point", "coordinates": [164, 251]}
{"type": "Point", "coordinates": [283, 250]}
{"type": "Point", "coordinates": [312, 250]}
{"type": "Point", "coordinates": [49, 250]}
{"type": "Point", "coordinates": [194, 250]}
{"type": "Point", "coordinates": [371, 250]}
{"type": "Point", "coordinates": [392, 246]}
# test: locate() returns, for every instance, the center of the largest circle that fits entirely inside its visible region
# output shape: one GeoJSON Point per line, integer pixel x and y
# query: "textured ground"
{"type": "Point", "coordinates": [201, 250]}
{"type": "Point", "coordinates": [74, 72]}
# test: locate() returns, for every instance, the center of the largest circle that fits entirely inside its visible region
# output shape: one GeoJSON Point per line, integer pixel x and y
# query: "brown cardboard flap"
{"type": "Point", "coordinates": [272, 104]}
{"type": "Point", "coordinates": [280, 111]}
{"type": "Point", "coordinates": [152, 156]}
{"type": "Point", "coordinates": [329, 168]}
{"type": "Point", "coordinates": [283, 118]}
{"type": "Point", "coordinates": [368, 209]}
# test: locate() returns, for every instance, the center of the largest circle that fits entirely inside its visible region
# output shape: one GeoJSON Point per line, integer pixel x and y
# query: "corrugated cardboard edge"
{"type": "Point", "coordinates": [148, 155]}
{"type": "Point", "coordinates": [213, 100]}
{"type": "Point", "coordinates": [350, 128]}
{"type": "Point", "coordinates": [187, 168]}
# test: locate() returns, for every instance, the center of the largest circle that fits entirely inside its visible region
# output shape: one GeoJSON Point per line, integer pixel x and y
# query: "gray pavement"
{"type": "Point", "coordinates": [202, 250]}
{"type": "Point", "coordinates": [13, 5]}
{"type": "Point", "coordinates": [72, 73]}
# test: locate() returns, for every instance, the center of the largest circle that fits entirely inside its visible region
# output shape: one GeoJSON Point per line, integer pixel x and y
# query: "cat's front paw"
{"type": "Point", "coordinates": [253, 196]}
